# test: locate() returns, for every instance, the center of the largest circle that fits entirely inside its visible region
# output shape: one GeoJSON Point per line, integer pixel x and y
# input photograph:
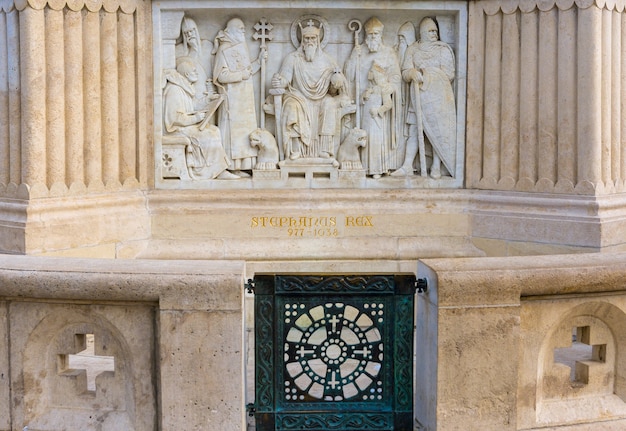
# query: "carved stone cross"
{"type": "Point", "coordinates": [263, 28]}
{"type": "Point", "coordinates": [582, 356]}
{"type": "Point", "coordinates": [86, 361]}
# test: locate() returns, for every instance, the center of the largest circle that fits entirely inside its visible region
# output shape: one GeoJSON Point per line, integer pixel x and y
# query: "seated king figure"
{"type": "Point", "coordinates": [315, 99]}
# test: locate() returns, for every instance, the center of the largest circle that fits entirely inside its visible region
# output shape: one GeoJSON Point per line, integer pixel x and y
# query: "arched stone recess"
{"type": "Point", "coordinates": [60, 394]}
{"type": "Point", "coordinates": [581, 370]}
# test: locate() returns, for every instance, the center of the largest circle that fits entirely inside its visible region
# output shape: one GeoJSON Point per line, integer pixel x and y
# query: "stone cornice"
{"type": "Point", "coordinates": [127, 6]}
{"type": "Point", "coordinates": [171, 284]}
{"type": "Point", "coordinates": [507, 280]}
{"type": "Point", "coordinates": [26, 191]}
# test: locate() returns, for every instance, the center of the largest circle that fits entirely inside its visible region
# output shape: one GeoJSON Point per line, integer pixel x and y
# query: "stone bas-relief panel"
{"type": "Point", "coordinates": [336, 96]}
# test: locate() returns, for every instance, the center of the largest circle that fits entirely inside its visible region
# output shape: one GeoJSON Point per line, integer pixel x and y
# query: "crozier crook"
{"type": "Point", "coordinates": [356, 26]}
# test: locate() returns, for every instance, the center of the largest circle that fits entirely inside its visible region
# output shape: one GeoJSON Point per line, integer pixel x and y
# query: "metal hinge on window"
{"type": "Point", "coordinates": [249, 286]}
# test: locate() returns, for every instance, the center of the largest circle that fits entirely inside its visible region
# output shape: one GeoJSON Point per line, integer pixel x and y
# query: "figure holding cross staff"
{"type": "Point", "coordinates": [263, 29]}
{"type": "Point", "coordinates": [232, 75]}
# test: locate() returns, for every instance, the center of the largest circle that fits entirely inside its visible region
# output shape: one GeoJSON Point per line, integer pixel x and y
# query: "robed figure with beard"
{"type": "Point", "coordinates": [198, 51]}
{"type": "Point", "coordinates": [205, 155]}
{"type": "Point", "coordinates": [358, 67]}
{"type": "Point", "coordinates": [315, 91]}
{"type": "Point", "coordinates": [232, 75]}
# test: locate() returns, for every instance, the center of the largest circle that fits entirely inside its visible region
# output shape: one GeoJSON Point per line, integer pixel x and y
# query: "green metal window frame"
{"type": "Point", "coordinates": [385, 405]}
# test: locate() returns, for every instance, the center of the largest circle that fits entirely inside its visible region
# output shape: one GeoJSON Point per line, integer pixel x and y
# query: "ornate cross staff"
{"type": "Point", "coordinates": [263, 28]}
{"type": "Point", "coordinates": [356, 26]}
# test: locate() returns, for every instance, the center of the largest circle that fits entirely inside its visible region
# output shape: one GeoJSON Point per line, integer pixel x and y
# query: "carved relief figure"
{"type": "Point", "coordinates": [357, 69]}
{"type": "Point", "coordinates": [199, 52]}
{"type": "Point", "coordinates": [429, 68]}
{"type": "Point", "coordinates": [311, 78]}
{"type": "Point", "coordinates": [205, 155]}
{"type": "Point", "coordinates": [377, 104]}
{"type": "Point", "coordinates": [348, 155]}
{"type": "Point", "coordinates": [406, 38]}
{"type": "Point", "coordinates": [398, 98]}
{"type": "Point", "coordinates": [232, 75]}
{"type": "Point", "coordinates": [267, 158]}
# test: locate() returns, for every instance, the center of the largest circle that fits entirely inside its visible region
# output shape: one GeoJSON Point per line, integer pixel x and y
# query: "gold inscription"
{"type": "Point", "coordinates": [359, 221]}
{"type": "Point", "coordinates": [294, 222]}
{"type": "Point", "coordinates": [311, 227]}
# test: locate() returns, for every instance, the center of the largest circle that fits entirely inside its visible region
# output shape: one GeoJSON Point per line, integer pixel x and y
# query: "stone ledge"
{"type": "Point", "coordinates": [551, 219]}
{"type": "Point", "coordinates": [176, 284]}
{"type": "Point", "coordinates": [506, 280]}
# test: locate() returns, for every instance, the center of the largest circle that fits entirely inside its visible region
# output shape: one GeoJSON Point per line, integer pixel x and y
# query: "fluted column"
{"type": "Point", "coordinates": [529, 63]}
{"type": "Point", "coordinates": [547, 79]}
{"type": "Point", "coordinates": [74, 124]}
{"type": "Point", "coordinates": [4, 102]}
{"type": "Point", "coordinates": [622, 100]}
{"type": "Point", "coordinates": [55, 97]}
{"type": "Point", "coordinates": [589, 96]}
{"type": "Point", "coordinates": [15, 103]}
{"type": "Point", "coordinates": [510, 126]}
{"type": "Point", "coordinates": [550, 73]}
{"type": "Point", "coordinates": [92, 104]}
{"type": "Point", "coordinates": [616, 91]}
{"type": "Point", "coordinates": [110, 98]}
{"type": "Point", "coordinates": [33, 84]}
{"type": "Point", "coordinates": [128, 121]}
{"type": "Point", "coordinates": [567, 96]}
{"type": "Point", "coordinates": [80, 72]}
{"type": "Point", "coordinates": [493, 105]}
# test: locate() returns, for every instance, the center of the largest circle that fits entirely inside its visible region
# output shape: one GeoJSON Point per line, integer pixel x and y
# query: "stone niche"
{"type": "Point", "coordinates": [240, 104]}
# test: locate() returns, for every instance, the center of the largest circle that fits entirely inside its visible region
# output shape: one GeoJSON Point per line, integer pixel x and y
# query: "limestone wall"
{"type": "Point", "coordinates": [75, 121]}
{"type": "Point", "coordinates": [494, 343]}
{"type": "Point", "coordinates": [538, 90]}
{"type": "Point", "coordinates": [544, 107]}
{"type": "Point", "coordinates": [173, 331]}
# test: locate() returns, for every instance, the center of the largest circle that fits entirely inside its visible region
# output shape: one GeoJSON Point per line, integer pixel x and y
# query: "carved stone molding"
{"type": "Point", "coordinates": [525, 6]}
{"type": "Point", "coordinates": [127, 6]}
